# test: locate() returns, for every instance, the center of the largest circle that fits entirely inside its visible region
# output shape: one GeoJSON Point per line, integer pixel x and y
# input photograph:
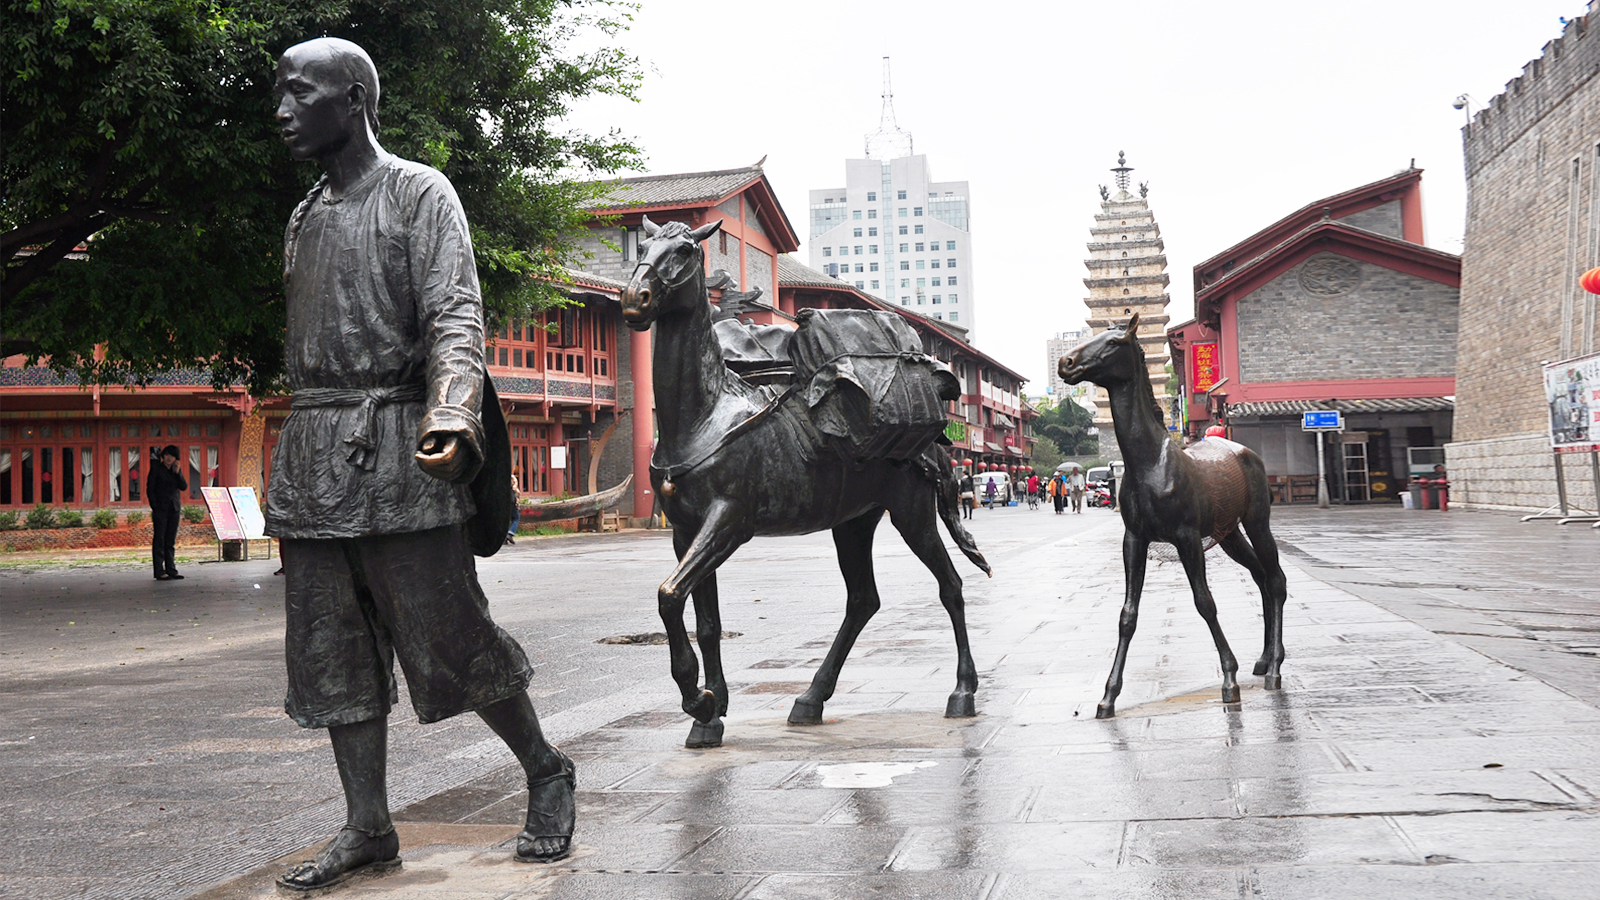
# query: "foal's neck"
{"type": "Point", "coordinates": [687, 365]}
{"type": "Point", "coordinates": [1141, 435]}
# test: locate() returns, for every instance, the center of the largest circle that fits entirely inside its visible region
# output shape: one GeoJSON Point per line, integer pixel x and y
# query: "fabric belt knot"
{"type": "Point", "coordinates": [363, 440]}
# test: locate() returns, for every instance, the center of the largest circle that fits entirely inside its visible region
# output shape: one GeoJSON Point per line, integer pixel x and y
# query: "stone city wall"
{"type": "Point", "coordinates": [1515, 472]}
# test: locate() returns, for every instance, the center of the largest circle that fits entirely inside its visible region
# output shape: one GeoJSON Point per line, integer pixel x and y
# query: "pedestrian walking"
{"type": "Point", "coordinates": [164, 489]}
{"type": "Point", "coordinates": [1075, 484]}
{"type": "Point", "coordinates": [1111, 487]}
{"type": "Point", "coordinates": [1057, 492]}
{"type": "Point", "coordinates": [967, 496]}
{"type": "Point", "coordinates": [516, 511]}
{"type": "Point", "coordinates": [1033, 492]}
{"type": "Point", "coordinates": [989, 490]}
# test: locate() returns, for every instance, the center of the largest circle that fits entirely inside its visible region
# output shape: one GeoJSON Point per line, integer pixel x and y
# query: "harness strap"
{"type": "Point", "coordinates": [670, 471]}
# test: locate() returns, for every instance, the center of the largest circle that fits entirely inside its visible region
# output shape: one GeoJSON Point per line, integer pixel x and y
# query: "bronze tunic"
{"type": "Point", "coordinates": [383, 298]}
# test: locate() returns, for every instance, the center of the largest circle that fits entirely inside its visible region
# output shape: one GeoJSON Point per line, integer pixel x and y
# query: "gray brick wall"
{"type": "Point", "coordinates": [728, 262]}
{"type": "Point", "coordinates": [605, 261]}
{"type": "Point", "coordinates": [758, 272]}
{"type": "Point", "coordinates": [1392, 325]}
{"type": "Point", "coordinates": [1384, 219]}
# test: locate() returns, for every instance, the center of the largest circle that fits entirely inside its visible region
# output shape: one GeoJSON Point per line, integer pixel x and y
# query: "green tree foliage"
{"type": "Point", "coordinates": [1046, 455]}
{"type": "Point", "coordinates": [144, 127]}
{"type": "Point", "coordinates": [1067, 426]}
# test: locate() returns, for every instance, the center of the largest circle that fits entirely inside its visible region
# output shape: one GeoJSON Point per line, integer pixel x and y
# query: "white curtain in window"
{"type": "Point", "coordinates": [114, 473]}
{"type": "Point", "coordinates": [86, 493]}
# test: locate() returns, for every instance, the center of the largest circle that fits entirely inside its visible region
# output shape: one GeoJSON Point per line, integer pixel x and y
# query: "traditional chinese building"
{"type": "Point", "coordinates": [1128, 274]}
{"type": "Point", "coordinates": [1337, 306]}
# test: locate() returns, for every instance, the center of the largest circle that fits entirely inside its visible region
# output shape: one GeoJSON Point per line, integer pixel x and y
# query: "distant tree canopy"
{"type": "Point", "coordinates": [145, 127]}
{"type": "Point", "coordinates": [1067, 426]}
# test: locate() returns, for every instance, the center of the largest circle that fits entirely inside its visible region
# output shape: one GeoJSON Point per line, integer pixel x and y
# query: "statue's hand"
{"type": "Point", "coordinates": [442, 455]}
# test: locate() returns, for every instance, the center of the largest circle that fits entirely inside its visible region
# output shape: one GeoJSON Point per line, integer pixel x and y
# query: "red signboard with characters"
{"type": "Point", "coordinates": [1204, 367]}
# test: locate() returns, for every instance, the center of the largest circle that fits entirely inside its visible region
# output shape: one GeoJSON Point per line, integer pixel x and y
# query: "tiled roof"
{"type": "Point", "coordinates": [1384, 405]}
{"type": "Point", "coordinates": [793, 272]}
{"type": "Point", "coordinates": [660, 190]}
{"type": "Point", "coordinates": [581, 278]}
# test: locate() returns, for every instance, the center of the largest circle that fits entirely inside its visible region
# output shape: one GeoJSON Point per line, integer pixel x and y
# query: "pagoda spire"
{"type": "Point", "coordinates": [1128, 274]}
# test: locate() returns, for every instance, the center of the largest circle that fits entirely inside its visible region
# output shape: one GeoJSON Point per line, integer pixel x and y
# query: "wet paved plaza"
{"type": "Point", "coordinates": [1437, 736]}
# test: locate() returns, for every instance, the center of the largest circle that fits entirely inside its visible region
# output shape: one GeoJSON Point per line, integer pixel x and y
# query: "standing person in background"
{"type": "Point", "coordinates": [1111, 487]}
{"type": "Point", "coordinates": [1075, 483]}
{"type": "Point", "coordinates": [516, 511]}
{"type": "Point", "coordinates": [967, 495]}
{"type": "Point", "coordinates": [164, 489]}
{"type": "Point", "coordinates": [1033, 491]}
{"type": "Point", "coordinates": [1057, 492]}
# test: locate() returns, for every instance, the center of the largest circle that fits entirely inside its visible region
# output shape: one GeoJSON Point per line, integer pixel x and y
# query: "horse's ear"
{"type": "Point", "coordinates": [650, 228]}
{"type": "Point", "coordinates": [705, 231]}
{"type": "Point", "coordinates": [1130, 329]}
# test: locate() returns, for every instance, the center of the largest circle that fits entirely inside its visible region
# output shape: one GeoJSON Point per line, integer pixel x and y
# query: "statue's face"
{"type": "Point", "coordinates": [319, 110]}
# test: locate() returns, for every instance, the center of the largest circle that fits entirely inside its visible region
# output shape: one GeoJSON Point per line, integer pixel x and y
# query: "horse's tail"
{"type": "Point", "coordinates": [948, 489]}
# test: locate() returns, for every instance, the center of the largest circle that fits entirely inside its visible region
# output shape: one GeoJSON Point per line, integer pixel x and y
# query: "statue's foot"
{"type": "Point", "coordinates": [1262, 665]}
{"type": "Point", "coordinates": [705, 734]}
{"type": "Point", "coordinates": [1273, 682]}
{"type": "Point", "coordinates": [961, 705]}
{"type": "Point", "coordinates": [552, 815]}
{"type": "Point", "coordinates": [1106, 710]}
{"type": "Point", "coordinates": [805, 712]}
{"type": "Point", "coordinates": [352, 850]}
{"type": "Point", "coordinates": [1230, 693]}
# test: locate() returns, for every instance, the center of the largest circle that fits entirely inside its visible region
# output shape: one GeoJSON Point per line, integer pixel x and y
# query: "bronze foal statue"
{"type": "Point", "coordinates": [734, 461]}
{"type": "Point", "coordinates": [1213, 491]}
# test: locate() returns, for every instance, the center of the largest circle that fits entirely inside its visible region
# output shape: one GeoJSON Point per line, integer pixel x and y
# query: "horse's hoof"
{"type": "Point", "coordinates": [962, 705]}
{"type": "Point", "coordinates": [1105, 711]}
{"type": "Point", "coordinates": [704, 734]}
{"type": "Point", "coordinates": [703, 709]}
{"type": "Point", "coordinates": [1273, 683]}
{"type": "Point", "coordinates": [1230, 693]}
{"type": "Point", "coordinates": [1261, 667]}
{"type": "Point", "coordinates": [805, 712]}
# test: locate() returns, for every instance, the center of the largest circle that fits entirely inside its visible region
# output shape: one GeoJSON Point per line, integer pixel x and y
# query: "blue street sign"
{"type": "Point", "coordinates": [1319, 420]}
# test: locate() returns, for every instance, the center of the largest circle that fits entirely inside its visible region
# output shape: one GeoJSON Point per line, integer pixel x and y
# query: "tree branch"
{"type": "Point", "coordinates": [19, 277]}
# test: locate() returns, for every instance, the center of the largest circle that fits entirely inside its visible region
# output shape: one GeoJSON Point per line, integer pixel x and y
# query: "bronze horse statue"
{"type": "Point", "coordinates": [1214, 491]}
{"type": "Point", "coordinates": [735, 460]}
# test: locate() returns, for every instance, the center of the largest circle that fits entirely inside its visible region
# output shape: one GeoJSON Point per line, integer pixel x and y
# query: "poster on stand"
{"type": "Point", "coordinates": [223, 520]}
{"type": "Point", "coordinates": [1572, 392]}
{"type": "Point", "coordinates": [249, 510]}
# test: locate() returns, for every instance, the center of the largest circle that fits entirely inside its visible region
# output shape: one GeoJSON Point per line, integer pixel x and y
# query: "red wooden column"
{"type": "Point", "coordinates": [644, 396]}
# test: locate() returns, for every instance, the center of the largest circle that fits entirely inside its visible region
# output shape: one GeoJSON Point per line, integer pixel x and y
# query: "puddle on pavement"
{"type": "Point", "coordinates": [869, 774]}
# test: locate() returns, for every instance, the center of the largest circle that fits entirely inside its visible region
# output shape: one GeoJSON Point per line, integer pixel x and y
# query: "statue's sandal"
{"type": "Point", "coordinates": [552, 814]}
{"type": "Point", "coordinates": [352, 850]}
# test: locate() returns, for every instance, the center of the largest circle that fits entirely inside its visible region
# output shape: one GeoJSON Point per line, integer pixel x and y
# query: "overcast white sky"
{"type": "Point", "coordinates": [1236, 112]}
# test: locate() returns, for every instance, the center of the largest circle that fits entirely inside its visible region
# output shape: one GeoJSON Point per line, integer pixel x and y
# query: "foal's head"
{"type": "Point", "coordinates": [1111, 357]}
{"type": "Point", "coordinates": [671, 259]}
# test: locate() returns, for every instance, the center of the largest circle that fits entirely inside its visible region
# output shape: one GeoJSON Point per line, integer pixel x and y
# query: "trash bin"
{"type": "Point", "coordinates": [1408, 500]}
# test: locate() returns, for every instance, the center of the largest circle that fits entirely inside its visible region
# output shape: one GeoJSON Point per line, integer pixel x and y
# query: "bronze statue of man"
{"type": "Point", "coordinates": [370, 495]}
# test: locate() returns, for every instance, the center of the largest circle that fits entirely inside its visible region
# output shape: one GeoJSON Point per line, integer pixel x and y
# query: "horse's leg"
{"type": "Point", "coordinates": [708, 633]}
{"type": "Point", "coordinates": [708, 548]}
{"type": "Point", "coordinates": [1238, 547]}
{"type": "Point", "coordinates": [853, 540]}
{"type": "Point", "coordinates": [918, 523]}
{"type": "Point", "coordinates": [1191, 551]}
{"type": "Point", "coordinates": [1135, 553]}
{"type": "Point", "coordinates": [1274, 594]}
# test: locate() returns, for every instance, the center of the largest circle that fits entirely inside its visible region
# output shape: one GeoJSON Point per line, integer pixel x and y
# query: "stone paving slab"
{"type": "Point", "coordinates": [1396, 763]}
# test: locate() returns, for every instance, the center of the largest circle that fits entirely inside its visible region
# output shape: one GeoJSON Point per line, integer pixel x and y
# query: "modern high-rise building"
{"type": "Point", "coordinates": [894, 232]}
{"type": "Point", "coordinates": [1055, 348]}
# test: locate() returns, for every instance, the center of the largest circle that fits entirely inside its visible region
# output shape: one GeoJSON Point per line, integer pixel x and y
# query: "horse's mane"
{"type": "Point", "coordinates": [1147, 390]}
{"type": "Point", "coordinates": [672, 230]}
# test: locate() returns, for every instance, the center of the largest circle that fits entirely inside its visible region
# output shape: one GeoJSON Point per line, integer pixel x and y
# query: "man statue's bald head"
{"type": "Point", "coordinates": [344, 59]}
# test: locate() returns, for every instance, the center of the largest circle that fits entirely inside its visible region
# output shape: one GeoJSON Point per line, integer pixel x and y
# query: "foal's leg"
{"type": "Point", "coordinates": [708, 548]}
{"type": "Point", "coordinates": [1135, 552]}
{"type": "Point", "coordinates": [1274, 594]}
{"type": "Point", "coordinates": [1238, 547]}
{"type": "Point", "coordinates": [853, 541]}
{"type": "Point", "coordinates": [1194, 565]}
{"type": "Point", "coordinates": [708, 633]}
{"type": "Point", "coordinates": [918, 523]}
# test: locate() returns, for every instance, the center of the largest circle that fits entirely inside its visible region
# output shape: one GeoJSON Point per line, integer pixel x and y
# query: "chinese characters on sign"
{"type": "Point", "coordinates": [1204, 366]}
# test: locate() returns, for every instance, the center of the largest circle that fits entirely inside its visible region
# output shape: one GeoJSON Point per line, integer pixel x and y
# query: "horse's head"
{"type": "Point", "coordinates": [671, 259]}
{"type": "Point", "coordinates": [1110, 357]}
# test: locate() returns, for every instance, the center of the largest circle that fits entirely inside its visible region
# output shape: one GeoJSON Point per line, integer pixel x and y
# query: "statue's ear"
{"type": "Point", "coordinates": [1131, 328]}
{"type": "Point", "coordinates": [650, 228]}
{"type": "Point", "coordinates": [705, 231]}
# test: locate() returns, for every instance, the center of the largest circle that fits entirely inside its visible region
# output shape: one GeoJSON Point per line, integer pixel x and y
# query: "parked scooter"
{"type": "Point", "coordinates": [1099, 497]}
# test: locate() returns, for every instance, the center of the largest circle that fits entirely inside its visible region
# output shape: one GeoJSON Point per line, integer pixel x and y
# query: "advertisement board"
{"type": "Point", "coordinates": [1204, 368]}
{"type": "Point", "coordinates": [223, 520]}
{"type": "Point", "coordinates": [1572, 393]}
{"type": "Point", "coordinates": [251, 521]}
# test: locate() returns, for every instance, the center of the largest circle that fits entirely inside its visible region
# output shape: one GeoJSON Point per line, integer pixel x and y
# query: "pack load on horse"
{"type": "Point", "coordinates": [758, 435]}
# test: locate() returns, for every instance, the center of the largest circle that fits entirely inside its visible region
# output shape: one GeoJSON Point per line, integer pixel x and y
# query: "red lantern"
{"type": "Point", "coordinates": [967, 463]}
{"type": "Point", "coordinates": [983, 467]}
{"type": "Point", "coordinates": [1590, 280]}
{"type": "Point", "coordinates": [955, 463]}
{"type": "Point", "coordinates": [1011, 469]}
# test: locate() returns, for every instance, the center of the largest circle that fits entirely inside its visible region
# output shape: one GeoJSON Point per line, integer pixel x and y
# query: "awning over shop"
{"type": "Point", "coordinates": [1004, 421]}
{"type": "Point", "coordinates": [1384, 405]}
{"type": "Point", "coordinates": [994, 448]}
